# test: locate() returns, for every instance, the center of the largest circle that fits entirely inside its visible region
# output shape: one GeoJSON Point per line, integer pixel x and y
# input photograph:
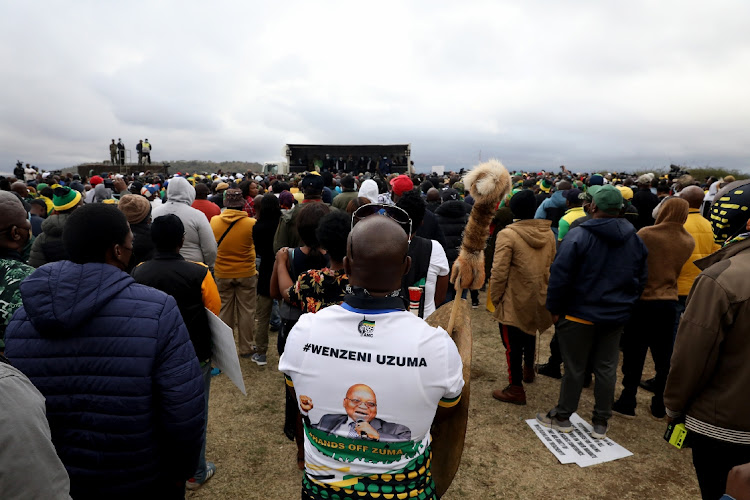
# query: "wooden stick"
{"type": "Point", "coordinates": [454, 309]}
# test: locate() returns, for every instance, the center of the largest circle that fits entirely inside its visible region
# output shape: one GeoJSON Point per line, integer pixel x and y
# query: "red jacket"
{"type": "Point", "coordinates": [209, 208]}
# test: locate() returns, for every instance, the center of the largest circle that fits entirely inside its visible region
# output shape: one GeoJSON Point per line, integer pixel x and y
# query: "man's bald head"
{"type": "Point", "coordinates": [433, 195]}
{"type": "Point", "coordinates": [13, 222]}
{"type": "Point", "coordinates": [11, 210]}
{"type": "Point", "coordinates": [564, 186]}
{"type": "Point", "coordinates": [376, 256]}
{"type": "Point", "coordinates": [358, 388]}
{"type": "Point", "coordinates": [693, 195]}
{"type": "Point", "coordinates": [20, 188]}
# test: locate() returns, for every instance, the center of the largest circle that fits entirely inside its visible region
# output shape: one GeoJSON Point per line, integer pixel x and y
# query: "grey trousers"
{"type": "Point", "coordinates": [577, 343]}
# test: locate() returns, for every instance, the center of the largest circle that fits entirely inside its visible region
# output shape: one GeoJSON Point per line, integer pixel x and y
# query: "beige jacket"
{"type": "Point", "coordinates": [524, 252]}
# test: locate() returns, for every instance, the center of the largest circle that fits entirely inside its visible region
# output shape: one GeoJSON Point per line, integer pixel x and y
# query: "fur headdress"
{"type": "Point", "coordinates": [488, 183]}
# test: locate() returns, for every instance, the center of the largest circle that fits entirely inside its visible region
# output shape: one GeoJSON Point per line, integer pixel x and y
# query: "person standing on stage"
{"type": "Point", "coordinates": [120, 152]}
{"type": "Point", "coordinates": [113, 153]}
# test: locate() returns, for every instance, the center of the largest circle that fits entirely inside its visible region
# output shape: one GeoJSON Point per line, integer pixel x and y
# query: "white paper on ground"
{"type": "Point", "coordinates": [224, 351]}
{"type": "Point", "coordinates": [578, 446]}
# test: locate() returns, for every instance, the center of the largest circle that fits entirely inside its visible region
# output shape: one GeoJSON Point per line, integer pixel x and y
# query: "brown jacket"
{"type": "Point", "coordinates": [710, 374]}
{"type": "Point", "coordinates": [669, 247]}
{"type": "Point", "coordinates": [524, 252]}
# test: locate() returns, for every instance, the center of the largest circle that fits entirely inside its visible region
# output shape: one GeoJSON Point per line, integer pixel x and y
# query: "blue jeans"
{"type": "Point", "coordinates": [200, 474]}
{"type": "Point", "coordinates": [275, 318]}
{"type": "Point", "coordinates": [450, 294]}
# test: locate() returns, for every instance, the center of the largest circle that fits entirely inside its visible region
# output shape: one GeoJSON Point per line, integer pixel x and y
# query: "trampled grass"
{"type": "Point", "coordinates": [502, 459]}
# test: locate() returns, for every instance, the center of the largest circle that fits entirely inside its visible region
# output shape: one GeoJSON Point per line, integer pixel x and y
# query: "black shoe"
{"type": "Point", "coordinates": [657, 413]}
{"type": "Point", "coordinates": [475, 304]}
{"type": "Point", "coordinates": [649, 384]}
{"type": "Point", "coordinates": [623, 410]}
{"type": "Point", "coordinates": [549, 370]}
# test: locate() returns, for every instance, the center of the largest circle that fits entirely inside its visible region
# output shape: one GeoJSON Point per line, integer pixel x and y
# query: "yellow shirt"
{"type": "Point", "coordinates": [701, 231]}
{"type": "Point", "coordinates": [235, 257]}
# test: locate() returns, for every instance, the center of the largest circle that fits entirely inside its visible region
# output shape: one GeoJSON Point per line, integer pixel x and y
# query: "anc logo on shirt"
{"type": "Point", "coordinates": [366, 328]}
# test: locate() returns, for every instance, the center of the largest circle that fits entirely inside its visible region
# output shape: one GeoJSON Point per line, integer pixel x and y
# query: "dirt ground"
{"type": "Point", "coordinates": [502, 458]}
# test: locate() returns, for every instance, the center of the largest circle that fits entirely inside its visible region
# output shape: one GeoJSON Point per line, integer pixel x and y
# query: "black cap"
{"type": "Point", "coordinates": [311, 181]}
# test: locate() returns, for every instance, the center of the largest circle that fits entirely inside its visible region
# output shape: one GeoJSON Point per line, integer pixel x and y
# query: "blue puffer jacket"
{"type": "Point", "coordinates": [599, 272]}
{"type": "Point", "coordinates": [123, 385]}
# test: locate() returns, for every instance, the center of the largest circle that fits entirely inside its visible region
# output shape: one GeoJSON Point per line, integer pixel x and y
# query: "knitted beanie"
{"type": "Point", "coordinates": [545, 185]}
{"type": "Point", "coordinates": [65, 198]}
{"type": "Point", "coordinates": [135, 207]}
{"type": "Point", "coordinates": [523, 204]}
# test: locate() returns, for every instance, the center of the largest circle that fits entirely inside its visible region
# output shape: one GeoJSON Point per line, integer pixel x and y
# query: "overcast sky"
{"type": "Point", "coordinates": [589, 84]}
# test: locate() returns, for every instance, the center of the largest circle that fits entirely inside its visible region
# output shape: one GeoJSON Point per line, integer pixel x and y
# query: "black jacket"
{"type": "Point", "coordinates": [430, 229]}
{"type": "Point", "coordinates": [432, 206]}
{"type": "Point", "coordinates": [263, 233]}
{"type": "Point", "coordinates": [173, 275]}
{"type": "Point", "coordinates": [143, 245]}
{"type": "Point", "coordinates": [645, 201]}
{"type": "Point", "coordinates": [218, 199]}
{"type": "Point", "coordinates": [452, 218]}
{"type": "Point", "coordinates": [48, 246]}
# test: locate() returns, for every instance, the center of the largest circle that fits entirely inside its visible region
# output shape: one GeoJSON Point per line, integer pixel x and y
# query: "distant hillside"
{"type": "Point", "coordinates": [701, 173]}
{"type": "Point", "coordinates": [190, 166]}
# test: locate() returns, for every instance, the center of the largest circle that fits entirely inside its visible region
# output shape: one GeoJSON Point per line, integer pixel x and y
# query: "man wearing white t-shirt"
{"type": "Point", "coordinates": [370, 345]}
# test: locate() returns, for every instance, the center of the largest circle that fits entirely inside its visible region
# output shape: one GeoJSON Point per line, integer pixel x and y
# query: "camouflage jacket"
{"type": "Point", "coordinates": [12, 273]}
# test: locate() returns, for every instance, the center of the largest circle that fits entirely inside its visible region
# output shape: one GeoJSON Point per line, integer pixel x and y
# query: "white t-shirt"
{"type": "Point", "coordinates": [438, 267]}
{"type": "Point", "coordinates": [386, 368]}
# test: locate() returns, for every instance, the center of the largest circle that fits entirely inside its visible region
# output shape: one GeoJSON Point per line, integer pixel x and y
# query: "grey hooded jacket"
{"type": "Point", "coordinates": [200, 245]}
{"type": "Point", "coordinates": [31, 467]}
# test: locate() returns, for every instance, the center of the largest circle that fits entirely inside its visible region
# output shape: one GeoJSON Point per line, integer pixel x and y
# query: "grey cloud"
{"type": "Point", "coordinates": [536, 84]}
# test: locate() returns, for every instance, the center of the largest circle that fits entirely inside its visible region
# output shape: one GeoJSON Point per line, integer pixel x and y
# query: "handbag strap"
{"type": "Point", "coordinates": [225, 232]}
{"type": "Point", "coordinates": [290, 260]}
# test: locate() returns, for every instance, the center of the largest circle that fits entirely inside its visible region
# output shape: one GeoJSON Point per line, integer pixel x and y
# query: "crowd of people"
{"type": "Point", "coordinates": [107, 284]}
{"type": "Point", "coordinates": [381, 164]}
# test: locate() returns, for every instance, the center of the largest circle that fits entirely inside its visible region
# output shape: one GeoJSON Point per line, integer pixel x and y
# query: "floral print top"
{"type": "Point", "coordinates": [318, 288]}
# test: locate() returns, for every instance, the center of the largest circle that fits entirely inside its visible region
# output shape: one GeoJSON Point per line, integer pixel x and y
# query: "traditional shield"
{"type": "Point", "coordinates": [448, 435]}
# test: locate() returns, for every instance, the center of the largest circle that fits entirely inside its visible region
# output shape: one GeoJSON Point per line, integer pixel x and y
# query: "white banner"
{"type": "Point", "coordinates": [224, 351]}
{"type": "Point", "coordinates": [578, 446]}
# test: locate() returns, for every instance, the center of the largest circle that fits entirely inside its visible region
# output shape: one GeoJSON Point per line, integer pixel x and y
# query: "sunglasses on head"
{"type": "Point", "coordinates": [392, 211]}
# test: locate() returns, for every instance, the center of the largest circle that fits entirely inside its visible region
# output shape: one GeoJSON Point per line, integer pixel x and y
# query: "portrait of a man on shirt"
{"type": "Point", "coordinates": [359, 421]}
